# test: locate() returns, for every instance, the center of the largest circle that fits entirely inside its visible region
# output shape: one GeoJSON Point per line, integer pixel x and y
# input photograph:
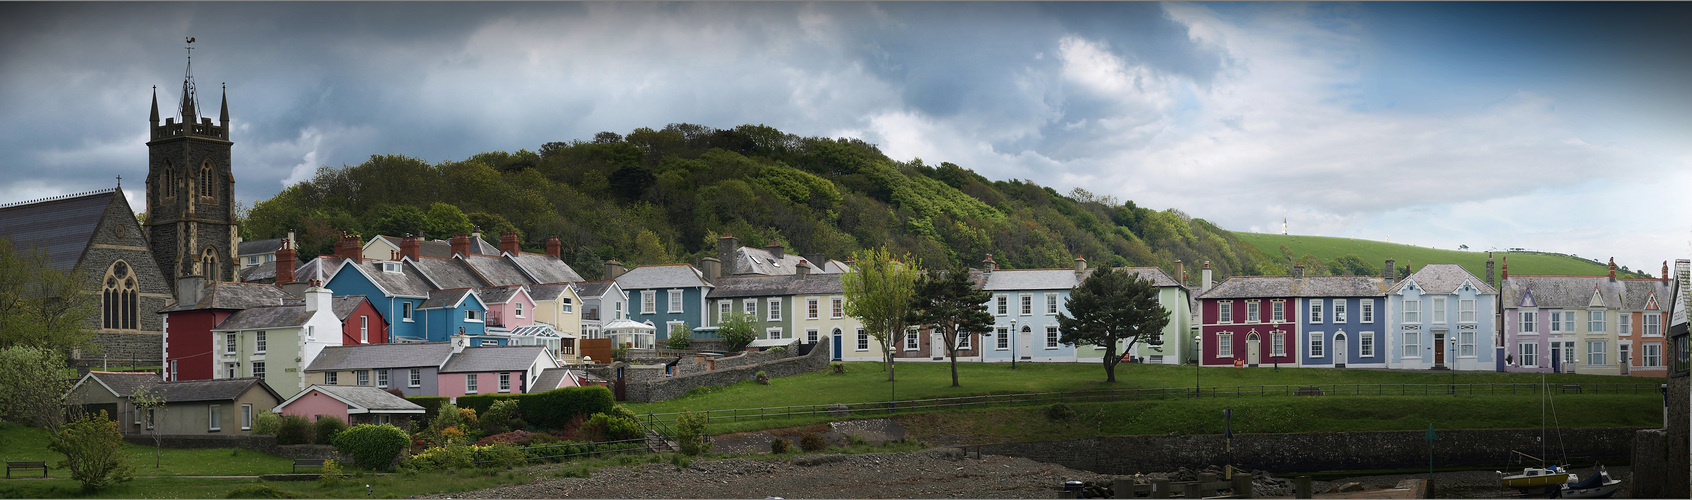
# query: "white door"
{"type": "Point", "coordinates": [1252, 351]}
{"type": "Point", "coordinates": [1339, 350]}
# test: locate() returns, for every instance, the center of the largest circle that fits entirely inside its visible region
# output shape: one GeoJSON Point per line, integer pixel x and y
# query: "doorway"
{"type": "Point", "coordinates": [1339, 350]}
{"type": "Point", "coordinates": [1252, 350]}
{"type": "Point", "coordinates": [1439, 350]}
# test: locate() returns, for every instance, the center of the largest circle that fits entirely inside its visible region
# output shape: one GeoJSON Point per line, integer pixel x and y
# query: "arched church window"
{"type": "Point", "coordinates": [208, 264]}
{"type": "Point", "coordinates": [206, 180]}
{"type": "Point", "coordinates": [118, 304]}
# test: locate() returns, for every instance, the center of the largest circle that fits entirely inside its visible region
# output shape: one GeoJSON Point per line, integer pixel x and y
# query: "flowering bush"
{"type": "Point", "coordinates": [511, 438]}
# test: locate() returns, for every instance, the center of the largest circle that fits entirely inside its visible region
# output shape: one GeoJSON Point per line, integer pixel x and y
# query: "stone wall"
{"type": "Point", "coordinates": [1660, 455]}
{"type": "Point", "coordinates": [647, 383]}
{"type": "Point", "coordinates": [1312, 452]}
{"type": "Point", "coordinates": [265, 444]}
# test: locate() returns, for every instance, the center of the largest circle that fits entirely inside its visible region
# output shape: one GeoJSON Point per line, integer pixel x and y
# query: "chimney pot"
{"type": "Point", "coordinates": [554, 248]}
{"type": "Point", "coordinates": [1612, 268]}
{"type": "Point", "coordinates": [987, 264]}
{"type": "Point", "coordinates": [508, 243]}
{"type": "Point", "coordinates": [1205, 277]}
{"type": "Point", "coordinates": [1504, 274]}
{"type": "Point", "coordinates": [461, 244]}
{"type": "Point", "coordinates": [803, 269]}
{"type": "Point", "coordinates": [1080, 266]}
{"type": "Point", "coordinates": [410, 248]}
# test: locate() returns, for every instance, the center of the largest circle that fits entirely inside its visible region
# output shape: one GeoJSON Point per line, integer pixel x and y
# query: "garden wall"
{"type": "Point", "coordinates": [648, 383]}
{"type": "Point", "coordinates": [1314, 452]}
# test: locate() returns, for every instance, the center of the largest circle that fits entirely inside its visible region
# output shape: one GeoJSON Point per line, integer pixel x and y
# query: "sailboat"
{"type": "Point", "coordinates": [1545, 477]}
{"type": "Point", "coordinates": [1599, 485]}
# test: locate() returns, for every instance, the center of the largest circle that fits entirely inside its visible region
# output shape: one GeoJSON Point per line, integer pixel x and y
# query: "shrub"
{"type": "Point", "coordinates": [779, 446]}
{"type": "Point", "coordinates": [450, 456]}
{"type": "Point", "coordinates": [260, 491]}
{"type": "Point", "coordinates": [293, 429]}
{"type": "Point", "coordinates": [500, 416]}
{"type": "Point", "coordinates": [681, 337]}
{"type": "Point", "coordinates": [762, 378]}
{"type": "Point", "coordinates": [552, 409]}
{"type": "Point", "coordinates": [266, 422]}
{"type": "Point", "coordinates": [681, 461]}
{"type": "Point", "coordinates": [690, 433]}
{"type": "Point", "coordinates": [372, 446]}
{"type": "Point", "coordinates": [602, 427]}
{"type": "Point", "coordinates": [839, 368]}
{"type": "Point", "coordinates": [431, 404]}
{"type": "Point", "coordinates": [327, 427]}
{"type": "Point", "coordinates": [779, 348]}
{"type": "Point", "coordinates": [1060, 412]}
{"type": "Point", "coordinates": [511, 438]}
{"type": "Point", "coordinates": [812, 441]}
{"type": "Point", "coordinates": [93, 450]}
{"type": "Point", "coordinates": [737, 330]}
{"type": "Point", "coordinates": [541, 438]}
{"type": "Point", "coordinates": [498, 456]}
{"type": "Point", "coordinates": [331, 475]}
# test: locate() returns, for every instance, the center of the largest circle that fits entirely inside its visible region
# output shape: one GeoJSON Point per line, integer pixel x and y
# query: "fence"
{"type": "Point", "coordinates": [571, 450]}
{"type": "Point", "coordinates": [1038, 398]}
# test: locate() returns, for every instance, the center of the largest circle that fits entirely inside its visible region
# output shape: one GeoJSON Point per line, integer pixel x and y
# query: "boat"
{"type": "Point", "coordinates": [1598, 485]}
{"type": "Point", "coordinates": [1545, 479]}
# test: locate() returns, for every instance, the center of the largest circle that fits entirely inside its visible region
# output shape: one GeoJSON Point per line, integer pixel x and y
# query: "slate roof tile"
{"type": "Point", "coordinates": [61, 227]}
{"type": "Point", "coordinates": [378, 356]}
{"type": "Point", "coordinates": [493, 358]}
{"type": "Point", "coordinates": [662, 276]}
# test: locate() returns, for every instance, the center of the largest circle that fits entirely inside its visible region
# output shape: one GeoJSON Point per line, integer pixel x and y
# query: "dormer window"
{"type": "Point", "coordinates": [391, 267]}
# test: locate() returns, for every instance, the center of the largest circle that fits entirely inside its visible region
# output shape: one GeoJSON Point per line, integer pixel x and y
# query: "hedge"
{"type": "Point", "coordinates": [552, 409]}
{"type": "Point", "coordinates": [431, 404]}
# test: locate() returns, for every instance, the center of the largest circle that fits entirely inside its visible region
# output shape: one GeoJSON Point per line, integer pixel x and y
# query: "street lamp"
{"type": "Point", "coordinates": [1013, 339]}
{"type": "Point", "coordinates": [1198, 360]}
{"type": "Point", "coordinates": [1450, 355]}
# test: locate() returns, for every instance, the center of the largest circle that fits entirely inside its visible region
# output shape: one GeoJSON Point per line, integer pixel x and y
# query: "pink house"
{"type": "Point", "coordinates": [509, 307]}
{"type": "Point", "coordinates": [493, 369]}
{"type": "Point", "coordinates": [352, 404]}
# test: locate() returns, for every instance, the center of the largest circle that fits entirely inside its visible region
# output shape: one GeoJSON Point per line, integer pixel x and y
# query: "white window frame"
{"type": "Point", "coordinates": [259, 343]}
{"type": "Point", "coordinates": [517, 308]}
{"type": "Point", "coordinates": [214, 416]}
{"type": "Point", "coordinates": [775, 309]}
{"type": "Point", "coordinates": [1466, 344]}
{"type": "Point", "coordinates": [1527, 322]}
{"type": "Point", "coordinates": [1051, 304]}
{"type": "Point", "coordinates": [725, 307]}
{"type": "Point", "coordinates": [1412, 311]}
{"type": "Point", "coordinates": [504, 382]}
{"type": "Point", "coordinates": [749, 307]}
{"type": "Point", "coordinates": [1339, 310]}
{"type": "Point", "coordinates": [1052, 337]}
{"type": "Point", "coordinates": [246, 416]}
{"type": "Point", "coordinates": [1439, 310]}
{"type": "Point", "coordinates": [361, 377]}
{"type": "Point", "coordinates": [1366, 311]}
{"type": "Point", "coordinates": [618, 304]}
{"type": "Point", "coordinates": [1527, 354]}
{"type": "Point", "coordinates": [774, 333]}
{"type": "Point", "coordinates": [1225, 345]}
{"type": "Point", "coordinates": [1366, 344]}
{"type": "Point", "coordinates": [863, 340]}
{"type": "Point", "coordinates": [415, 378]}
{"type": "Point", "coordinates": [811, 335]}
{"type": "Point", "coordinates": [1277, 344]}
{"type": "Point", "coordinates": [1001, 342]}
{"type": "Point", "coordinates": [1556, 325]}
{"type": "Point", "coordinates": [258, 368]}
{"type": "Point", "coordinates": [381, 379]}
{"type": "Point", "coordinates": [1413, 345]}
{"type": "Point", "coordinates": [470, 383]}
{"type": "Point", "coordinates": [1317, 345]}
{"type": "Point", "coordinates": [1624, 324]}
{"type": "Point", "coordinates": [912, 342]}
{"type": "Point", "coordinates": [837, 307]}
{"type": "Point", "coordinates": [1253, 311]}
{"type": "Point", "coordinates": [230, 343]}
{"type": "Point", "coordinates": [1225, 311]}
{"type": "Point", "coordinates": [1002, 305]}
{"type": "Point", "coordinates": [472, 316]}
{"type": "Point", "coordinates": [1595, 321]}
{"type": "Point", "coordinates": [331, 378]}
{"type": "Point", "coordinates": [962, 341]}
{"type": "Point", "coordinates": [1597, 353]}
{"type": "Point", "coordinates": [1027, 304]}
{"type": "Point", "coordinates": [363, 329]}
{"type": "Point", "coordinates": [1651, 354]}
{"type": "Point", "coordinates": [648, 301]}
{"type": "Point", "coordinates": [566, 305]}
{"type": "Point", "coordinates": [1653, 325]}
{"type": "Point", "coordinates": [1466, 311]}
{"type": "Point", "coordinates": [405, 311]}
{"type": "Point", "coordinates": [675, 295]}
{"type": "Point", "coordinates": [1315, 311]}
{"type": "Point", "coordinates": [813, 308]}
{"type": "Point", "coordinates": [1278, 311]}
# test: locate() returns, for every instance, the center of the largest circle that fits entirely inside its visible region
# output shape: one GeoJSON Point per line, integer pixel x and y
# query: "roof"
{"type": "Point", "coordinates": [122, 384]}
{"type": "Point", "coordinates": [227, 389]}
{"type": "Point", "coordinates": [1031, 279]}
{"type": "Point", "coordinates": [549, 291]}
{"type": "Point", "coordinates": [757, 261]}
{"type": "Point", "coordinates": [445, 298]}
{"type": "Point", "coordinates": [1286, 286]}
{"type": "Point", "coordinates": [662, 276]}
{"type": "Point", "coordinates": [539, 330]}
{"type": "Point", "coordinates": [546, 269]}
{"type": "Point", "coordinates": [362, 399]}
{"type": "Point", "coordinates": [425, 248]}
{"type": "Point", "coordinates": [344, 305]}
{"type": "Point", "coordinates": [587, 289]}
{"type": "Point", "coordinates": [1575, 292]}
{"type": "Point", "coordinates": [60, 226]}
{"type": "Point", "coordinates": [235, 296]}
{"type": "Point", "coordinates": [407, 282]}
{"type": "Point", "coordinates": [497, 271]}
{"type": "Point", "coordinates": [258, 247]}
{"type": "Point", "coordinates": [481, 246]}
{"type": "Point", "coordinates": [321, 268]}
{"type": "Point", "coordinates": [499, 295]}
{"type": "Point", "coordinates": [1154, 274]}
{"type": "Point", "coordinates": [771, 286]}
{"type": "Point", "coordinates": [376, 356]}
{"type": "Point", "coordinates": [258, 318]}
{"type": "Point", "coordinates": [626, 324]}
{"type": "Point", "coordinates": [550, 378]}
{"type": "Point", "coordinates": [449, 273]}
{"type": "Point", "coordinates": [494, 359]}
{"type": "Point", "coordinates": [1442, 278]}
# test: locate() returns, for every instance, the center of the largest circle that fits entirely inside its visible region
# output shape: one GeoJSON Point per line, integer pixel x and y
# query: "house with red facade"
{"type": "Point", "coordinates": [361, 323]}
{"type": "Point", "coordinates": [188, 340]}
{"type": "Point", "coordinates": [1250, 321]}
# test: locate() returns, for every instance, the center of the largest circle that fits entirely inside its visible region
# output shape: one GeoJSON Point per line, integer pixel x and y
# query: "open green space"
{"type": "Point", "coordinates": [19, 444]}
{"type": "Point", "coordinates": [380, 486]}
{"type": "Point", "coordinates": [1376, 253]}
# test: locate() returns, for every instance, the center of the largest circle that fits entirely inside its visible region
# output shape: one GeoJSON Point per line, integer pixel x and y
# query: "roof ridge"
{"type": "Point", "coordinates": [58, 197]}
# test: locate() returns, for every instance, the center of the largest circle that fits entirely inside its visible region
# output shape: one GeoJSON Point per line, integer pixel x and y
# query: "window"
{"type": "Point", "coordinates": [258, 369]}
{"type": "Point", "coordinates": [172, 370]}
{"type": "Point", "coordinates": [648, 301]}
{"type": "Point", "coordinates": [1251, 311]}
{"type": "Point", "coordinates": [750, 307]}
{"type": "Point", "coordinates": [911, 341]}
{"type": "Point", "coordinates": [469, 383]}
{"type": "Point", "coordinates": [724, 308]}
{"type": "Point", "coordinates": [811, 335]}
{"type": "Point", "coordinates": [1466, 343]}
{"type": "Point", "coordinates": [1526, 322]}
{"type": "Point", "coordinates": [1439, 309]}
{"type": "Point", "coordinates": [963, 340]}
{"type": "Point", "coordinates": [1412, 311]}
{"type": "Point", "coordinates": [1529, 354]}
{"type": "Point", "coordinates": [416, 378]}
{"type": "Point", "coordinates": [382, 379]}
{"type": "Point", "coordinates": [1339, 311]}
{"type": "Point", "coordinates": [246, 416]}
{"type": "Point", "coordinates": [1653, 324]}
{"type": "Point", "coordinates": [1366, 343]}
{"type": "Point", "coordinates": [391, 267]}
{"type": "Point", "coordinates": [472, 315]}
{"type": "Point", "coordinates": [1315, 345]}
{"type": "Point", "coordinates": [1595, 353]}
{"type": "Point", "coordinates": [863, 340]}
{"type": "Point", "coordinates": [363, 377]}
{"type": "Point", "coordinates": [405, 311]}
{"type": "Point", "coordinates": [332, 378]}
{"type": "Point", "coordinates": [837, 307]}
{"type": "Point", "coordinates": [1051, 304]}
{"type": "Point", "coordinates": [675, 297]}
{"type": "Point", "coordinates": [231, 370]}
{"type": "Point", "coordinates": [1412, 345]}
{"type": "Point", "coordinates": [1562, 321]}
{"type": "Point", "coordinates": [1595, 321]}
{"type": "Point", "coordinates": [1051, 337]}
{"type": "Point", "coordinates": [1316, 310]}
{"type": "Point", "coordinates": [363, 329]}
{"type": "Point", "coordinates": [567, 305]}
{"type": "Point", "coordinates": [1653, 353]}
{"type": "Point", "coordinates": [1366, 311]}
{"type": "Point", "coordinates": [517, 309]}
{"type": "Point", "coordinates": [150, 418]}
{"type": "Point", "coordinates": [229, 343]}
{"type": "Point", "coordinates": [1002, 340]}
{"type": "Point", "coordinates": [1568, 352]}
{"type": "Point", "coordinates": [775, 309]}
{"type": "Point", "coordinates": [1003, 305]}
{"type": "Point", "coordinates": [216, 418]}
{"type": "Point", "coordinates": [1622, 353]}
{"type": "Point", "coordinates": [1278, 311]}
{"type": "Point", "coordinates": [1225, 345]}
{"type": "Point", "coordinates": [505, 382]}
{"type": "Point", "coordinates": [119, 309]}
{"type": "Point", "coordinates": [258, 342]}
{"type": "Point", "coordinates": [1027, 305]}
{"type": "Point", "coordinates": [812, 309]}
{"type": "Point", "coordinates": [1225, 312]}
{"type": "Point", "coordinates": [1279, 344]}
{"type": "Point", "coordinates": [1466, 310]}
{"type": "Point", "coordinates": [311, 332]}
{"type": "Point", "coordinates": [618, 313]}
{"type": "Point", "coordinates": [774, 333]}
{"type": "Point", "coordinates": [1624, 324]}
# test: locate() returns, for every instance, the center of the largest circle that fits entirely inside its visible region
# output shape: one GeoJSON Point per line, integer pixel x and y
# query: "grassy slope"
{"type": "Point", "coordinates": [1376, 253]}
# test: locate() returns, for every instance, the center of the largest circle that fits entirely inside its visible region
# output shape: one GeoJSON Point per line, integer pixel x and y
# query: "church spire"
{"type": "Point", "coordinates": [155, 117]}
{"type": "Point", "coordinates": [189, 114]}
{"type": "Point", "coordinates": [223, 118]}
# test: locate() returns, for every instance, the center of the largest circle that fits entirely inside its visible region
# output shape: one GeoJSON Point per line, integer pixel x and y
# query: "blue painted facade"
{"type": "Point", "coordinates": [1025, 306]}
{"type": "Point", "coordinates": [658, 312]}
{"type": "Point", "coordinates": [443, 322]}
{"type": "Point", "coordinates": [1342, 331]}
{"type": "Point", "coordinates": [1442, 316]}
{"type": "Point", "coordinates": [393, 307]}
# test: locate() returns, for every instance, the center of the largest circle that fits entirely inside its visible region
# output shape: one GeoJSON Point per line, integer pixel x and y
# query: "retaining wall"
{"type": "Point", "coordinates": [1314, 452]}
{"type": "Point", "coordinates": [647, 383]}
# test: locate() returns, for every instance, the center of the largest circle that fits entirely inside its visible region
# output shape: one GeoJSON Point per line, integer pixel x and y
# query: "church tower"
{"type": "Point", "coordinates": [190, 190]}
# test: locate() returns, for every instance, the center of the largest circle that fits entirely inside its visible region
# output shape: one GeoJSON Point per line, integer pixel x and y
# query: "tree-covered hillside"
{"type": "Point", "coordinates": [660, 196]}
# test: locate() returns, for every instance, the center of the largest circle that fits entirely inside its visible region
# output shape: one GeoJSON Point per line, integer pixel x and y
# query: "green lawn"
{"type": "Point", "coordinates": [19, 443]}
{"type": "Point", "coordinates": [1376, 253]}
{"type": "Point", "coordinates": [386, 486]}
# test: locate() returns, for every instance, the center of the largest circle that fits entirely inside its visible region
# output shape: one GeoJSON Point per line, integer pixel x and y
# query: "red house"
{"type": "Point", "coordinates": [188, 340]}
{"type": "Point", "coordinates": [360, 322]}
{"type": "Point", "coordinates": [1250, 321]}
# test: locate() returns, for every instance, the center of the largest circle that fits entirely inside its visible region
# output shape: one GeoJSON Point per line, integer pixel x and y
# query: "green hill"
{"type": "Point", "coordinates": [1375, 253]}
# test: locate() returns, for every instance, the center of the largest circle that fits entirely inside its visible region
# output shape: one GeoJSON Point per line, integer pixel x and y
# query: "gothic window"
{"type": "Point", "coordinates": [208, 264]}
{"type": "Point", "coordinates": [206, 180]}
{"type": "Point", "coordinates": [118, 298]}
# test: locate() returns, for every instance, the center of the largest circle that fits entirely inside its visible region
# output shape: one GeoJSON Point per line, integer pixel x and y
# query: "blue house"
{"type": "Point", "coordinates": [395, 288]}
{"type": "Point", "coordinates": [456, 312]}
{"type": "Point", "coordinates": [1025, 305]}
{"type": "Point", "coordinates": [1342, 322]}
{"type": "Point", "coordinates": [663, 296]}
{"type": "Point", "coordinates": [1442, 317]}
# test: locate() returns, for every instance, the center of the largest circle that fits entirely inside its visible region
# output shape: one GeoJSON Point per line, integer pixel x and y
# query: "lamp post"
{"type": "Point", "coordinates": [1452, 366]}
{"type": "Point", "coordinates": [1198, 361]}
{"type": "Point", "coordinates": [1013, 339]}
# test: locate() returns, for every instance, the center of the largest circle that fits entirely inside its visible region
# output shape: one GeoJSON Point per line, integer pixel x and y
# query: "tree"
{"type": "Point", "coordinates": [681, 337]}
{"type": "Point", "coordinates": [93, 450]}
{"type": "Point", "coordinates": [150, 403]}
{"type": "Point", "coordinates": [737, 330]}
{"type": "Point", "coordinates": [41, 305]}
{"type": "Point", "coordinates": [1110, 307]}
{"type": "Point", "coordinates": [948, 301]}
{"type": "Point", "coordinates": [878, 290]}
{"type": "Point", "coordinates": [32, 386]}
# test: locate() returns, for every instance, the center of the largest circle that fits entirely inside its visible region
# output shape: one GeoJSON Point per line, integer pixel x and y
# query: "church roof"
{"type": "Point", "coordinates": [62, 226]}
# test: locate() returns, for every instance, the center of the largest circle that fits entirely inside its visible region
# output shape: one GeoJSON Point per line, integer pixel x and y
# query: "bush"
{"type": "Point", "coordinates": [260, 491]}
{"type": "Point", "coordinates": [1060, 412]}
{"type": "Point", "coordinates": [602, 427]}
{"type": "Point", "coordinates": [93, 450]}
{"type": "Point", "coordinates": [690, 433]}
{"type": "Point", "coordinates": [266, 422]}
{"type": "Point", "coordinates": [552, 409]}
{"type": "Point", "coordinates": [779, 446]}
{"type": "Point", "coordinates": [372, 446]}
{"type": "Point", "coordinates": [762, 378]}
{"type": "Point", "coordinates": [498, 456]}
{"type": "Point", "coordinates": [327, 427]}
{"type": "Point", "coordinates": [839, 368]}
{"type": "Point", "coordinates": [812, 441]}
{"type": "Point", "coordinates": [681, 337]}
{"type": "Point", "coordinates": [737, 330]}
{"type": "Point", "coordinates": [431, 404]}
{"type": "Point", "coordinates": [450, 456]}
{"type": "Point", "coordinates": [331, 474]}
{"type": "Point", "coordinates": [500, 416]}
{"type": "Point", "coordinates": [511, 438]}
{"type": "Point", "coordinates": [293, 429]}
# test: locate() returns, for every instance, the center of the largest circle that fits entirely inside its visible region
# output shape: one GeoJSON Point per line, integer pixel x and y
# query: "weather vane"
{"type": "Point", "coordinates": [190, 47]}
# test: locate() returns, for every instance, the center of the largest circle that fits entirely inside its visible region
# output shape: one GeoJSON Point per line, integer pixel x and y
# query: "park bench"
{"type": "Point", "coordinates": [1572, 388]}
{"type": "Point", "coordinates": [307, 462]}
{"type": "Point", "coordinates": [1309, 390]}
{"type": "Point", "coordinates": [25, 466]}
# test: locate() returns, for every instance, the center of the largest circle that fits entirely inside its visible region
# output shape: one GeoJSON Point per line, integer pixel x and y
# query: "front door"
{"type": "Point", "coordinates": [1026, 341]}
{"type": "Point", "coordinates": [1252, 351]}
{"type": "Point", "coordinates": [837, 344]}
{"type": "Point", "coordinates": [1339, 351]}
{"type": "Point", "coordinates": [1623, 361]}
{"type": "Point", "coordinates": [936, 345]}
{"type": "Point", "coordinates": [1556, 357]}
{"type": "Point", "coordinates": [1439, 349]}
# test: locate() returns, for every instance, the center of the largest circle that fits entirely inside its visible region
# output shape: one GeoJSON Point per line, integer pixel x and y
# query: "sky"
{"type": "Point", "coordinates": [1548, 126]}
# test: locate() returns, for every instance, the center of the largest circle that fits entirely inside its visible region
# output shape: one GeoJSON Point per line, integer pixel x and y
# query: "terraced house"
{"type": "Point", "coordinates": [1573, 324]}
{"type": "Point", "coordinates": [1177, 336]}
{"type": "Point", "coordinates": [1251, 321]}
{"type": "Point", "coordinates": [1025, 305]}
{"type": "Point", "coordinates": [663, 297]}
{"type": "Point", "coordinates": [1441, 317]}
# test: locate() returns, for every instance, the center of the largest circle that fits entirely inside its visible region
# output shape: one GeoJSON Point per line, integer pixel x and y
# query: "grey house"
{"type": "Point", "coordinates": [414, 368]}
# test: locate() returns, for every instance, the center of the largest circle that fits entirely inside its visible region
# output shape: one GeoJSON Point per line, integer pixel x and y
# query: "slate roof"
{"type": "Point", "coordinates": [426, 248]}
{"type": "Point", "coordinates": [750, 260]}
{"type": "Point", "coordinates": [1442, 278]}
{"type": "Point", "coordinates": [772, 286]}
{"type": "Point", "coordinates": [662, 276]}
{"type": "Point", "coordinates": [444, 298]}
{"type": "Point", "coordinates": [408, 282]}
{"type": "Point", "coordinates": [227, 389]}
{"type": "Point", "coordinates": [498, 295]}
{"type": "Point", "coordinates": [321, 268]}
{"type": "Point", "coordinates": [258, 247]}
{"type": "Point", "coordinates": [450, 273]}
{"type": "Point", "coordinates": [125, 383]}
{"type": "Point", "coordinates": [377, 356]}
{"type": "Point", "coordinates": [344, 305]}
{"type": "Point", "coordinates": [1032, 279]}
{"type": "Point", "coordinates": [498, 271]}
{"type": "Point", "coordinates": [481, 246]}
{"type": "Point", "coordinates": [493, 359]}
{"type": "Point", "coordinates": [592, 288]}
{"type": "Point", "coordinates": [547, 269]}
{"type": "Point", "coordinates": [367, 398]}
{"type": "Point", "coordinates": [550, 378]}
{"type": "Point", "coordinates": [1286, 286]}
{"type": "Point", "coordinates": [1575, 292]}
{"type": "Point", "coordinates": [61, 227]}
{"type": "Point", "coordinates": [1155, 274]}
{"type": "Point", "coordinates": [260, 273]}
{"type": "Point", "coordinates": [1640, 291]}
{"type": "Point", "coordinates": [256, 318]}
{"type": "Point", "coordinates": [548, 291]}
{"type": "Point", "coordinates": [217, 295]}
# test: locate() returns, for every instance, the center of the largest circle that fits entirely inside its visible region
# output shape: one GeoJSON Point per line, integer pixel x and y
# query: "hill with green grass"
{"type": "Point", "coordinates": [1319, 254]}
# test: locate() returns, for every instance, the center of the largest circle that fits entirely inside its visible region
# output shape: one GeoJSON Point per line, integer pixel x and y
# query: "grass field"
{"type": "Point", "coordinates": [1376, 253]}
{"type": "Point", "coordinates": [19, 443]}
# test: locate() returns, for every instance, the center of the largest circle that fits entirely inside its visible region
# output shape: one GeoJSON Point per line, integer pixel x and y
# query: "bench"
{"type": "Point", "coordinates": [1309, 390]}
{"type": "Point", "coordinates": [25, 466]}
{"type": "Point", "coordinates": [1572, 387]}
{"type": "Point", "coordinates": [307, 462]}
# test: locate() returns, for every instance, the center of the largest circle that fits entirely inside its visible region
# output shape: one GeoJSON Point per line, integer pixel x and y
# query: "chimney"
{"type": "Point", "coordinates": [1181, 272]}
{"type": "Point", "coordinates": [460, 341]}
{"type": "Point", "coordinates": [508, 243]}
{"type": "Point", "coordinates": [712, 268]}
{"type": "Point", "coordinates": [818, 261]}
{"type": "Point", "coordinates": [554, 249]}
{"type": "Point", "coordinates": [285, 263]}
{"type": "Point", "coordinates": [727, 244]}
{"type": "Point", "coordinates": [1665, 273]}
{"type": "Point", "coordinates": [461, 244]}
{"type": "Point", "coordinates": [292, 243]}
{"type": "Point", "coordinates": [1080, 266]}
{"type": "Point", "coordinates": [476, 232]}
{"type": "Point", "coordinates": [776, 250]}
{"type": "Point", "coordinates": [802, 270]}
{"type": "Point", "coordinates": [189, 290]}
{"type": "Point", "coordinates": [317, 297]}
{"type": "Point", "coordinates": [1505, 275]}
{"type": "Point", "coordinates": [1612, 268]}
{"type": "Point", "coordinates": [1204, 274]}
{"type": "Point", "coordinates": [1390, 272]}
{"type": "Point", "coordinates": [1489, 271]}
{"type": "Point", "coordinates": [1298, 271]}
{"type": "Point", "coordinates": [351, 247]}
{"type": "Point", "coordinates": [613, 269]}
{"type": "Point", "coordinates": [410, 248]}
{"type": "Point", "coordinates": [987, 264]}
